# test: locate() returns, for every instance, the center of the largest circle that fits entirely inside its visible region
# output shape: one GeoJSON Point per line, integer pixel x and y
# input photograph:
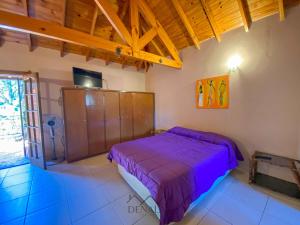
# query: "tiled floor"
{"type": "Point", "coordinates": [91, 192]}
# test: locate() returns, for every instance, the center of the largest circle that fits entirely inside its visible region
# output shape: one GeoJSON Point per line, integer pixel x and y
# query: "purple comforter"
{"type": "Point", "coordinates": [177, 166]}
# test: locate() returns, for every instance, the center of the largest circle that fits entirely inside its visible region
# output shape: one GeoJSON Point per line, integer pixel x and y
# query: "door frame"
{"type": "Point", "coordinates": [11, 74]}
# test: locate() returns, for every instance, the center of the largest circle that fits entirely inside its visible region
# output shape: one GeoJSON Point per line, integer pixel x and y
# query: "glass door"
{"type": "Point", "coordinates": [32, 120]}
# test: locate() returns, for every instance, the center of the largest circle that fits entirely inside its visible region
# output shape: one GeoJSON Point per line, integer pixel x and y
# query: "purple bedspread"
{"type": "Point", "coordinates": [177, 166]}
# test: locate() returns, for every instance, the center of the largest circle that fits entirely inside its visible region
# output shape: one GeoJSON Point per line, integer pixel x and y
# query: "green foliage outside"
{"type": "Point", "coordinates": [10, 122]}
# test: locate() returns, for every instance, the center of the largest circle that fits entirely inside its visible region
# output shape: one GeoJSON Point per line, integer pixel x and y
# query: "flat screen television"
{"type": "Point", "coordinates": [87, 78]}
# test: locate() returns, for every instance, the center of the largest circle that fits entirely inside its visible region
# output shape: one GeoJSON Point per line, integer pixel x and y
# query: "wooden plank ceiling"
{"type": "Point", "coordinates": [161, 27]}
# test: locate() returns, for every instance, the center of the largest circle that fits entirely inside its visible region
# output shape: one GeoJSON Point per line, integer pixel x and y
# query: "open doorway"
{"type": "Point", "coordinates": [21, 130]}
{"type": "Point", "coordinates": [11, 126]}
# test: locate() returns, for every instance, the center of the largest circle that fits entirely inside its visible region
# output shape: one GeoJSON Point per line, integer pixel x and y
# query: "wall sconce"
{"type": "Point", "coordinates": [234, 62]}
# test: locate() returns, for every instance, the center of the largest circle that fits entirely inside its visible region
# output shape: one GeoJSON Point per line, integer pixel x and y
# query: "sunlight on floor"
{"type": "Point", "coordinates": [11, 154]}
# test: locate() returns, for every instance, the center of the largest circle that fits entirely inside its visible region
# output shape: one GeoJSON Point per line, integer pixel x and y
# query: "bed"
{"type": "Point", "coordinates": [176, 168]}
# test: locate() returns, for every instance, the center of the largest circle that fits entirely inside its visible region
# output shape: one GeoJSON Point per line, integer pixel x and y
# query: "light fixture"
{"type": "Point", "coordinates": [234, 62]}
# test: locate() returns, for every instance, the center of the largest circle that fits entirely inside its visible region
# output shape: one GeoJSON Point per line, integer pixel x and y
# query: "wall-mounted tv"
{"type": "Point", "coordinates": [87, 78]}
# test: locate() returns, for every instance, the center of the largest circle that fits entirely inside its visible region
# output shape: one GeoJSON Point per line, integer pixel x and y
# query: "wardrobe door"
{"type": "Point", "coordinates": [143, 114]}
{"type": "Point", "coordinates": [126, 115]}
{"type": "Point", "coordinates": [75, 124]}
{"type": "Point", "coordinates": [112, 118]}
{"type": "Point", "coordinates": [95, 121]}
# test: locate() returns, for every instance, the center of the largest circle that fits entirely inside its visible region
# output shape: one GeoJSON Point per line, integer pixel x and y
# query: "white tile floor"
{"type": "Point", "coordinates": [91, 192]}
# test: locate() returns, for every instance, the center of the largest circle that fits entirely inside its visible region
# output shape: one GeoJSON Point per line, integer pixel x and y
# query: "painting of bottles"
{"type": "Point", "coordinates": [213, 92]}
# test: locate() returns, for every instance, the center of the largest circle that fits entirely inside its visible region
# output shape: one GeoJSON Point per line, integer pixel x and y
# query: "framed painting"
{"type": "Point", "coordinates": [213, 93]}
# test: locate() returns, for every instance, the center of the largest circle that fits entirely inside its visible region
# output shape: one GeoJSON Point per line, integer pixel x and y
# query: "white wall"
{"type": "Point", "coordinates": [264, 94]}
{"type": "Point", "coordinates": [56, 72]}
{"type": "Point", "coordinates": [50, 65]}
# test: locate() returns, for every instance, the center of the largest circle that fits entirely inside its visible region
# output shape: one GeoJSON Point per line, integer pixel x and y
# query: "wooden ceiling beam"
{"type": "Point", "coordinates": [211, 20]}
{"type": "Point", "coordinates": [122, 14]}
{"type": "Point", "coordinates": [1, 37]}
{"type": "Point", "coordinates": [245, 14]}
{"type": "Point", "coordinates": [63, 23]}
{"type": "Point", "coordinates": [281, 10]}
{"type": "Point", "coordinates": [114, 20]}
{"type": "Point", "coordinates": [15, 22]}
{"type": "Point", "coordinates": [186, 23]}
{"type": "Point", "coordinates": [92, 31]}
{"type": "Point", "coordinates": [134, 19]}
{"type": "Point", "coordinates": [153, 42]}
{"type": "Point", "coordinates": [146, 38]}
{"type": "Point", "coordinates": [26, 13]}
{"type": "Point", "coordinates": [150, 17]}
{"type": "Point", "coordinates": [157, 48]}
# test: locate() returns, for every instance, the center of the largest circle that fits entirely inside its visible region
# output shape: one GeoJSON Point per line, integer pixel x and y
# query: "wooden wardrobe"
{"type": "Point", "coordinates": [97, 119]}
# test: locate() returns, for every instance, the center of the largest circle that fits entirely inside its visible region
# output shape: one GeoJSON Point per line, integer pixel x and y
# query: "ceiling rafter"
{"type": "Point", "coordinates": [134, 21]}
{"type": "Point", "coordinates": [121, 29]}
{"type": "Point", "coordinates": [186, 23]}
{"type": "Point", "coordinates": [26, 13]}
{"type": "Point", "coordinates": [92, 31]}
{"type": "Point", "coordinates": [281, 10]}
{"type": "Point", "coordinates": [114, 20]}
{"type": "Point", "coordinates": [121, 15]}
{"type": "Point", "coordinates": [150, 17]}
{"type": "Point", "coordinates": [211, 20]}
{"type": "Point", "coordinates": [245, 14]}
{"type": "Point", "coordinates": [144, 29]}
{"type": "Point", "coordinates": [78, 19]}
{"type": "Point", "coordinates": [122, 12]}
{"type": "Point", "coordinates": [135, 28]}
{"type": "Point", "coordinates": [63, 23]}
{"type": "Point", "coordinates": [30, 25]}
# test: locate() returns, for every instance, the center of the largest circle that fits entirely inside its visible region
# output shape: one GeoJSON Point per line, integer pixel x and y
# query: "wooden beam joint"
{"type": "Point", "coordinates": [150, 17]}
{"type": "Point", "coordinates": [114, 19]}
{"type": "Point", "coordinates": [16, 22]}
{"type": "Point", "coordinates": [146, 38]}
